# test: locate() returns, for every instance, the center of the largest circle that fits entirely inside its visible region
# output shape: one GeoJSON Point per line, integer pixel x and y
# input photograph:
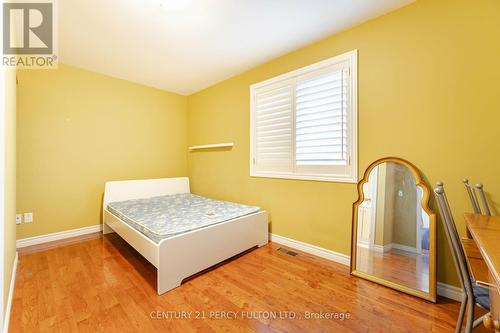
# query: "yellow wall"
{"type": "Point", "coordinates": [383, 225]}
{"type": "Point", "coordinates": [404, 224]}
{"type": "Point", "coordinates": [10, 180]}
{"type": "Point", "coordinates": [428, 92]}
{"type": "Point", "coordinates": [78, 129]}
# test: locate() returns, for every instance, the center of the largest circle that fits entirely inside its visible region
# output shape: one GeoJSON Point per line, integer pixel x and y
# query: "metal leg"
{"type": "Point", "coordinates": [479, 320]}
{"type": "Point", "coordinates": [470, 316]}
{"type": "Point", "coordinates": [461, 314]}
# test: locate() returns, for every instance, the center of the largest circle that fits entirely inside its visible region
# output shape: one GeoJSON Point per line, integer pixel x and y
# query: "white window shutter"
{"type": "Point", "coordinates": [304, 122]}
{"type": "Point", "coordinates": [273, 124]}
{"type": "Point", "coordinates": [321, 119]}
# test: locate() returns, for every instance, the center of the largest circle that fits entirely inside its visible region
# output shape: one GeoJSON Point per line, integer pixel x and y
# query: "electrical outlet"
{"type": "Point", "coordinates": [28, 217]}
{"type": "Point", "coordinates": [19, 218]}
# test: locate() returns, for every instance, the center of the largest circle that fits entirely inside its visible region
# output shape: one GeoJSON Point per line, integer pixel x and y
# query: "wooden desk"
{"type": "Point", "coordinates": [485, 231]}
{"type": "Point", "coordinates": [475, 262]}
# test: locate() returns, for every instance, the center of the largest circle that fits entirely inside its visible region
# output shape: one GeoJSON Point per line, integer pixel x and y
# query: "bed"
{"type": "Point", "coordinates": [201, 232]}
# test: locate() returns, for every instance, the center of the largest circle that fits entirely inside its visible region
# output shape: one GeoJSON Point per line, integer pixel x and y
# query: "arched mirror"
{"type": "Point", "coordinates": [394, 230]}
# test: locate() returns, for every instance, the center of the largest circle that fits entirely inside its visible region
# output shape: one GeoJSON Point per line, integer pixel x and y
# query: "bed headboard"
{"type": "Point", "coordinates": [143, 188]}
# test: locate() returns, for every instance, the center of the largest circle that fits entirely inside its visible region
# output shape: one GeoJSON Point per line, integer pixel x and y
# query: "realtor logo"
{"type": "Point", "coordinates": [28, 34]}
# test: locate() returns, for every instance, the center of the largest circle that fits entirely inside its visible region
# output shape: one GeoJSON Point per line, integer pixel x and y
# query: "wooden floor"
{"type": "Point", "coordinates": [401, 267]}
{"type": "Point", "coordinates": [102, 284]}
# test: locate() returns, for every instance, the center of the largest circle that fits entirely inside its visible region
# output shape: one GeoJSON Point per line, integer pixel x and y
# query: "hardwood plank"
{"type": "Point", "coordinates": [102, 284]}
{"type": "Point", "coordinates": [401, 267]}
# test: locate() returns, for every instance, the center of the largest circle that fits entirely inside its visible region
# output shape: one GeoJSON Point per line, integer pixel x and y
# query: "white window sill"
{"type": "Point", "coordinates": [321, 178]}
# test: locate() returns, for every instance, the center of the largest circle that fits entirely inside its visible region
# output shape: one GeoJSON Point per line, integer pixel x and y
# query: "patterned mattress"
{"type": "Point", "coordinates": [169, 215]}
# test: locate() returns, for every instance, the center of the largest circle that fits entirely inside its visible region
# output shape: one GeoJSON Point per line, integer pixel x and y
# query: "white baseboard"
{"type": "Point", "coordinates": [312, 249]}
{"type": "Point", "coordinates": [443, 289]}
{"type": "Point", "coordinates": [382, 248]}
{"type": "Point", "coordinates": [387, 247]}
{"type": "Point", "coordinates": [449, 291]}
{"type": "Point", "coordinates": [10, 296]}
{"type": "Point", "coordinates": [58, 235]}
{"type": "Point", "coordinates": [404, 248]}
{"type": "Point", "coordinates": [364, 245]}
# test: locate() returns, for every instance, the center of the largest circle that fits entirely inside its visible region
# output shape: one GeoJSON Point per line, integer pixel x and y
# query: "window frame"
{"type": "Point", "coordinates": [351, 174]}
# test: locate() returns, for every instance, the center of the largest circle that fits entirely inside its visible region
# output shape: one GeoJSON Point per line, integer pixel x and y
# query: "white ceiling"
{"type": "Point", "coordinates": [186, 45]}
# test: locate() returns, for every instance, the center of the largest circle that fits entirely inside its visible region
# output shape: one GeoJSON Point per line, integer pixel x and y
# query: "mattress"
{"type": "Point", "coordinates": [169, 215]}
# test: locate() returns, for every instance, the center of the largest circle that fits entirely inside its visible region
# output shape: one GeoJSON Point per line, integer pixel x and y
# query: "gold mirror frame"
{"type": "Point", "coordinates": [431, 295]}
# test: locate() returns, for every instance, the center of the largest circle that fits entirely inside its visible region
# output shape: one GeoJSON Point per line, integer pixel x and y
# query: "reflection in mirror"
{"type": "Point", "coordinates": [393, 229]}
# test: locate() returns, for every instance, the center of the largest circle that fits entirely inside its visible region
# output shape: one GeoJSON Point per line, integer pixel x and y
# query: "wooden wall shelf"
{"type": "Point", "coordinates": [215, 145]}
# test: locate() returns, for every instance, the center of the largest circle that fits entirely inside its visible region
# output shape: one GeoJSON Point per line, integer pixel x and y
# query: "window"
{"type": "Point", "coordinates": [304, 123]}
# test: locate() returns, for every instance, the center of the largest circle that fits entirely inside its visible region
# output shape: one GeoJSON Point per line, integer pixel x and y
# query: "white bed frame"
{"type": "Point", "coordinates": [181, 256]}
